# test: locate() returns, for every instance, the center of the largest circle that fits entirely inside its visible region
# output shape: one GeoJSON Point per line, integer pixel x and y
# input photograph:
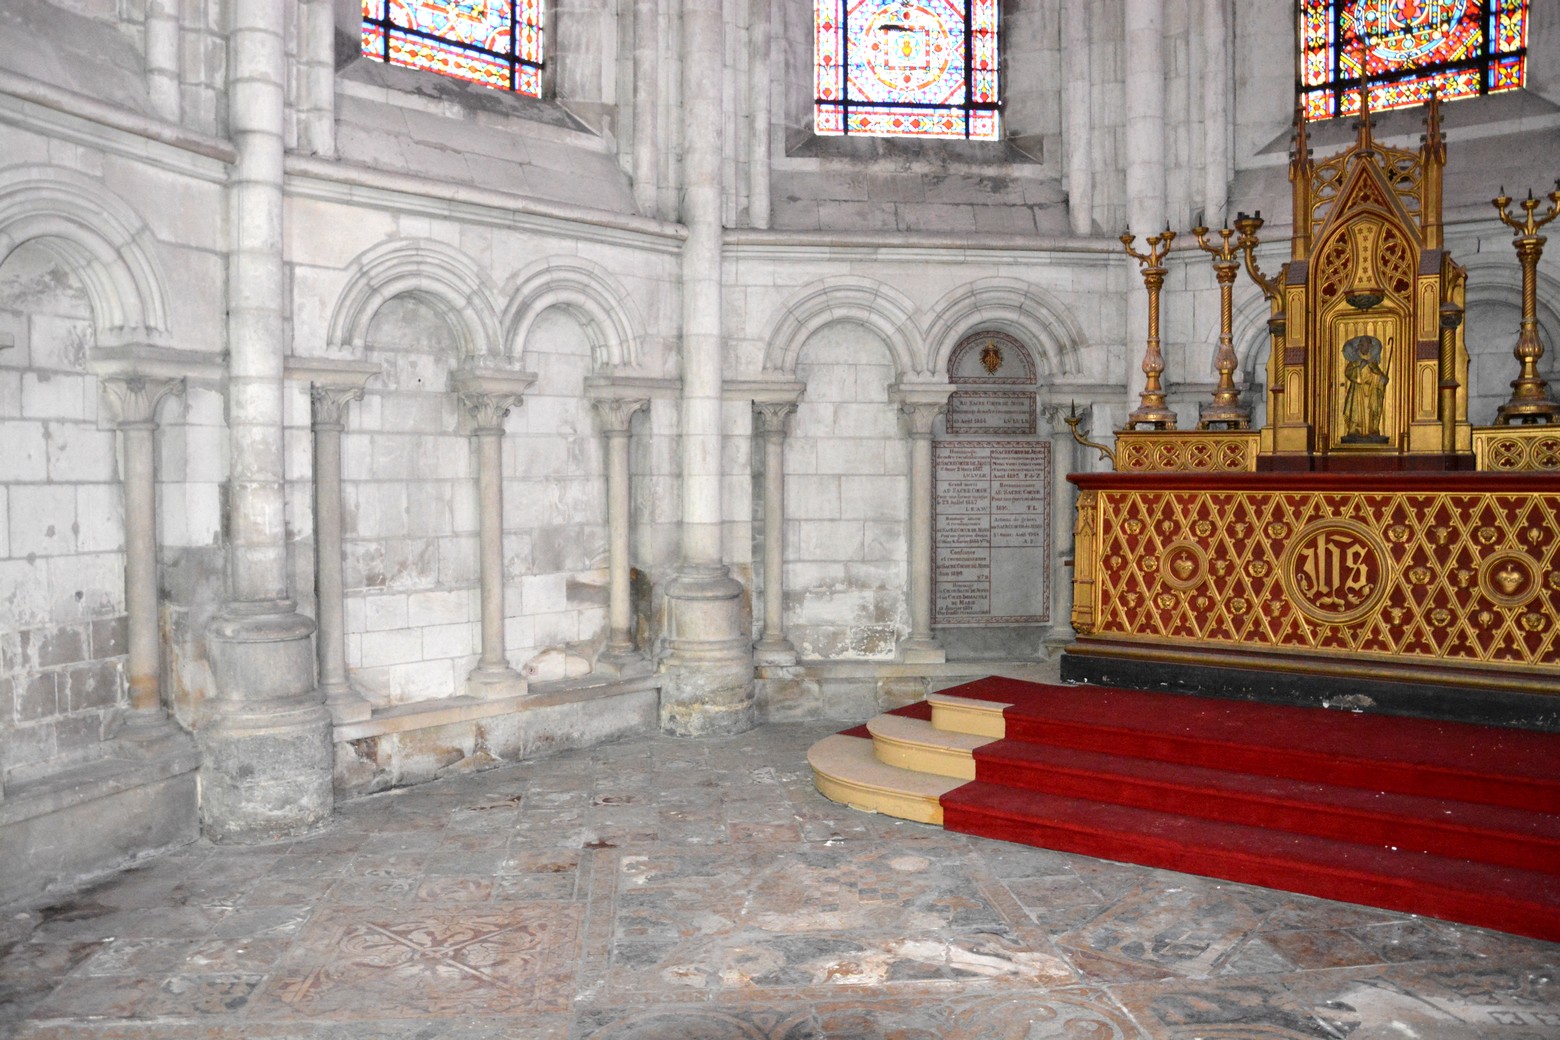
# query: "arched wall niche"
{"type": "Point", "coordinates": [437, 274]}
{"type": "Point", "coordinates": [102, 241]}
{"type": "Point", "coordinates": [992, 501]}
{"type": "Point", "coordinates": [590, 295]}
{"type": "Point", "coordinates": [846, 494]}
{"type": "Point", "coordinates": [878, 307]}
{"type": "Point", "coordinates": [1009, 305]}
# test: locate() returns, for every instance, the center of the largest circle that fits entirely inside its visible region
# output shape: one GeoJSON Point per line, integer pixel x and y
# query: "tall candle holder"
{"type": "Point", "coordinates": [1530, 401]}
{"type": "Point", "coordinates": [1227, 411]}
{"type": "Point", "coordinates": [1152, 409]}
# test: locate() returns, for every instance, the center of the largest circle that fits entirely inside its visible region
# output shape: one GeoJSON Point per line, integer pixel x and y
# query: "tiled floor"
{"type": "Point", "coordinates": [702, 890]}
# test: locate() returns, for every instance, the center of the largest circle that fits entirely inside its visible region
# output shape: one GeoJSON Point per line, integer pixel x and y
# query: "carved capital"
{"type": "Point", "coordinates": [920, 416]}
{"type": "Point", "coordinates": [487, 410]}
{"type": "Point", "coordinates": [133, 400]}
{"type": "Point", "coordinates": [773, 415]}
{"type": "Point", "coordinates": [615, 413]}
{"type": "Point", "coordinates": [330, 402]}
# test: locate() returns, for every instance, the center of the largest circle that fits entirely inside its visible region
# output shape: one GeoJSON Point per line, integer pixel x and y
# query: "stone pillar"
{"type": "Point", "coordinates": [773, 648]}
{"type": "Point", "coordinates": [1144, 145]}
{"type": "Point", "coordinates": [487, 396]}
{"type": "Point", "coordinates": [1216, 76]}
{"type": "Point", "coordinates": [317, 69]}
{"type": "Point", "coordinates": [162, 57]}
{"type": "Point", "coordinates": [329, 402]}
{"type": "Point", "coordinates": [136, 399]}
{"type": "Point", "coordinates": [919, 407]}
{"type": "Point", "coordinates": [647, 62]}
{"type": "Point", "coordinates": [707, 650]}
{"type": "Point", "coordinates": [1063, 462]}
{"type": "Point", "coordinates": [1078, 92]}
{"type": "Point", "coordinates": [266, 770]}
{"type": "Point", "coordinates": [621, 656]}
{"type": "Point", "coordinates": [761, 41]}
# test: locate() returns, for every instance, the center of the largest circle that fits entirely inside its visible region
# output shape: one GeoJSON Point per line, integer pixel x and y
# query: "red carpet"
{"type": "Point", "coordinates": [1444, 819]}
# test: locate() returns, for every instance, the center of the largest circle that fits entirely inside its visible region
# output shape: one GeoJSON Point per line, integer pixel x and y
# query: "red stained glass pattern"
{"type": "Point", "coordinates": [497, 43]}
{"type": "Point", "coordinates": [907, 68]}
{"type": "Point", "coordinates": [1408, 48]}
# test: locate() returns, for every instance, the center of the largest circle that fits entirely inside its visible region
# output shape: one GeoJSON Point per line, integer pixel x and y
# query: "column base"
{"type": "Point", "coordinates": [267, 757]}
{"type": "Point", "coordinates": [623, 663]}
{"type": "Point", "coordinates": [708, 657]}
{"type": "Point", "coordinates": [150, 734]}
{"type": "Point", "coordinates": [491, 684]}
{"type": "Point", "coordinates": [346, 704]}
{"type": "Point", "coordinates": [774, 653]}
{"type": "Point", "coordinates": [922, 651]}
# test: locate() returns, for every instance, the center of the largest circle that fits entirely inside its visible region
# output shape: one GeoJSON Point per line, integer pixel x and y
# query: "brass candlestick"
{"type": "Point", "coordinates": [1248, 226]}
{"type": "Point", "coordinates": [1152, 409]}
{"type": "Point", "coordinates": [1530, 401]}
{"type": "Point", "coordinates": [1227, 411]}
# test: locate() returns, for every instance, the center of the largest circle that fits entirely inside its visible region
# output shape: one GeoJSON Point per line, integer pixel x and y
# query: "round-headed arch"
{"type": "Point", "coordinates": [590, 294]}
{"type": "Point", "coordinates": [436, 274]}
{"type": "Point", "coordinates": [1020, 309]}
{"type": "Point", "coordinates": [846, 298]}
{"type": "Point", "coordinates": [96, 234]}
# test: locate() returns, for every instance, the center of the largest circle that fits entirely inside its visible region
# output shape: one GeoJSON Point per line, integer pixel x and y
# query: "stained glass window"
{"type": "Point", "coordinates": [907, 68]}
{"type": "Point", "coordinates": [1458, 48]}
{"type": "Point", "coordinates": [497, 43]}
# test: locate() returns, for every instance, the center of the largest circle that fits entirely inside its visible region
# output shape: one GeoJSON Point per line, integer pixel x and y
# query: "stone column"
{"type": "Point", "coordinates": [761, 41]}
{"type": "Point", "coordinates": [329, 402]}
{"type": "Point", "coordinates": [1063, 461]}
{"type": "Point", "coordinates": [621, 656]}
{"type": "Point", "coordinates": [1144, 144]}
{"type": "Point", "coordinates": [1078, 92]}
{"type": "Point", "coordinates": [136, 399]}
{"type": "Point", "coordinates": [647, 60]}
{"type": "Point", "coordinates": [266, 770]}
{"type": "Point", "coordinates": [487, 397]}
{"type": "Point", "coordinates": [919, 407]}
{"type": "Point", "coordinates": [162, 57]}
{"type": "Point", "coordinates": [773, 648]}
{"type": "Point", "coordinates": [708, 648]}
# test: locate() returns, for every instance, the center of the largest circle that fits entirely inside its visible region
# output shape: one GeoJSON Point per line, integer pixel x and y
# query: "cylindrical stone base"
{"type": "Point", "coordinates": [267, 754]}
{"type": "Point", "coordinates": [708, 660]}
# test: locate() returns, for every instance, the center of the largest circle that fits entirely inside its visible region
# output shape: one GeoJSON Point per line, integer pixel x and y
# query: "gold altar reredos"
{"type": "Point", "coordinates": [1367, 529]}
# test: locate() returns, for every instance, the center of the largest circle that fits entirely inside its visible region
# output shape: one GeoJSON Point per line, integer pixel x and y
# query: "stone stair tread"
{"type": "Point", "coordinates": [918, 731]}
{"type": "Point", "coordinates": [847, 770]}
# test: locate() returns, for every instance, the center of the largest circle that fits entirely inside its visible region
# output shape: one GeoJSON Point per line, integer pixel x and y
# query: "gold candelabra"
{"type": "Point", "coordinates": [1227, 411]}
{"type": "Point", "coordinates": [1530, 401]}
{"type": "Point", "coordinates": [1152, 409]}
{"type": "Point", "coordinates": [1248, 226]}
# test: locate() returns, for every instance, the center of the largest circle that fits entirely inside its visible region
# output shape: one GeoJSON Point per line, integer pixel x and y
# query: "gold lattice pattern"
{"type": "Point", "coordinates": [1186, 452]}
{"type": "Point", "coordinates": [1457, 577]}
{"type": "Point", "coordinates": [1403, 171]}
{"type": "Point", "coordinates": [1506, 450]}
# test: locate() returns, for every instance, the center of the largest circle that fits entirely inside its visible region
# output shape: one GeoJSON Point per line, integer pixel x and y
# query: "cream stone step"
{"type": "Point", "coordinates": [917, 745]}
{"type": "Point", "coordinates": [970, 715]}
{"type": "Point", "coordinates": [846, 770]}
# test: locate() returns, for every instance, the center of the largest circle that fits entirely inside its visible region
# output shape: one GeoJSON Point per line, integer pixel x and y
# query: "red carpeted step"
{"type": "Point", "coordinates": [1487, 833]}
{"type": "Point", "coordinates": [1519, 901]}
{"type": "Point", "coordinates": [1487, 764]}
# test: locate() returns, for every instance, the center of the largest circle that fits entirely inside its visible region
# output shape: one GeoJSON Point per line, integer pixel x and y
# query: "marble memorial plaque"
{"type": "Point", "coordinates": [991, 541]}
{"type": "Point", "coordinates": [1006, 413]}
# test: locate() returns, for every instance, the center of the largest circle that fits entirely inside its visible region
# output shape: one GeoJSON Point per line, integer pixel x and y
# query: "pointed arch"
{"type": "Point", "coordinates": [439, 275]}
{"type": "Point", "coordinates": [1006, 305]}
{"type": "Point", "coordinates": [96, 234]}
{"type": "Point", "coordinates": [590, 294]}
{"type": "Point", "coordinates": [848, 298]}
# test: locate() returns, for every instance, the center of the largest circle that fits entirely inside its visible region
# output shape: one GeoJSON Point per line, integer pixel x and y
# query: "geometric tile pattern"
{"type": "Point", "coordinates": [703, 890]}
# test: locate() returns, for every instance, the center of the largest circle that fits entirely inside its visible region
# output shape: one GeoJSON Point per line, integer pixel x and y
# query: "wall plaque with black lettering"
{"type": "Point", "coordinates": [991, 540]}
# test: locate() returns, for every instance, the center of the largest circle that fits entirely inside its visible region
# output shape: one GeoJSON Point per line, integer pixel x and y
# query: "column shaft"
{"type": "Point", "coordinates": [919, 408]}
{"type": "Point", "coordinates": [773, 647]}
{"type": "Point", "coordinates": [490, 504]}
{"type": "Point", "coordinates": [345, 703]}
{"type": "Point", "coordinates": [620, 616]}
{"type": "Point", "coordinates": [141, 567]}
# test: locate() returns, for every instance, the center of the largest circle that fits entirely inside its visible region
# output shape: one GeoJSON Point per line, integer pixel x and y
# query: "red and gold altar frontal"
{"type": "Point", "coordinates": [1451, 579]}
{"type": "Point", "coordinates": [1368, 529]}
